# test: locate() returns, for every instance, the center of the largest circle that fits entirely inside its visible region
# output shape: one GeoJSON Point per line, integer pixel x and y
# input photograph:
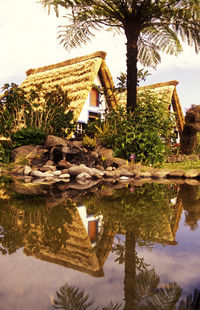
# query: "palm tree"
{"type": "Point", "coordinates": [150, 26]}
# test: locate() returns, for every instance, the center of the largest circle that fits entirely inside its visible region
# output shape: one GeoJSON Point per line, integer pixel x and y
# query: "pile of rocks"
{"type": "Point", "coordinates": [64, 160]}
{"type": "Point", "coordinates": [67, 161]}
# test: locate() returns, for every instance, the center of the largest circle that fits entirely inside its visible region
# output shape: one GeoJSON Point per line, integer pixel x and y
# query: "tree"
{"type": "Point", "coordinates": [150, 26]}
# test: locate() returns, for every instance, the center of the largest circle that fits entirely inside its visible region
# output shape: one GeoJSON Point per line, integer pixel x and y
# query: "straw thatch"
{"type": "Point", "coordinates": [76, 252]}
{"type": "Point", "coordinates": [76, 77]}
{"type": "Point", "coordinates": [166, 90]}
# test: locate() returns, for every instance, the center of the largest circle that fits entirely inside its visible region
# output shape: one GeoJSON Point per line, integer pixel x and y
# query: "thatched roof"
{"type": "Point", "coordinates": [76, 76]}
{"type": "Point", "coordinates": [76, 253]}
{"type": "Point", "coordinates": [166, 90]}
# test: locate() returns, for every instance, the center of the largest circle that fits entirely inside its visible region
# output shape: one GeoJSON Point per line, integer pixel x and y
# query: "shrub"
{"type": "Point", "coordinates": [147, 133]}
{"type": "Point", "coordinates": [27, 136]}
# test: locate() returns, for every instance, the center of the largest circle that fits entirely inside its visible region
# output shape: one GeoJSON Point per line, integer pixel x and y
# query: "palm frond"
{"type": "Point", "coordinates": [72, 298]}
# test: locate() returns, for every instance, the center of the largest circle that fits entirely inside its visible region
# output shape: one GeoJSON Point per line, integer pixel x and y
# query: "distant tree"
{"type": "Point", "coordinates": [150, 27]}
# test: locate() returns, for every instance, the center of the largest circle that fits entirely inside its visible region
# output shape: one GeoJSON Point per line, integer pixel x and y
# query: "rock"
{"type": "Point", "coordinates": [119, 161]}
{"type": "Point", "coordinates": [192, 182]}
{"type": "Point", "coordinates": [192, 173]}
{"type": "Point", "coordinates": [123, 178]}
{"type": "Point", "coordinates": [99, 167]}
{"type": "Point", "coordinates": [19, 170]}
{"type": "Point", "coordinates": [83, 176]}
{"type": "Point", "coordinates": [54, 141]}
{"type": "Point", "coordinates": [105, 153]}
{"type": "Point", "coordinates": [176, 174]}
{"type": "Point", "coordinates": [56, 173]}
{"type": "Point", "coordinates": [145, 174]}
{"type": "Point", "coordinates": [77, 144]}
{"type": "Point", "coordinates": [112, 174]}
{"type": "Point", "coordinates": [74, 171]}
{"type": "Point", "coordinates": [48, 174]}
{"type": "Point", "coordinates": [37, 174]}
{"type": "Point", "coordinates": [125, 173]}
{"type": "Point", "coordinates": [109, 168]}
{"type": "Point", "coordinates": [27, 170]}
{"type": "Point", "coordinates": [24, 152]}
{"type": "Point", "coordinates": [49, 163]}
{"type": "Point", "coordinates": [160, 174]}
{"type": "Point", "coordinates": [95, 154]}
{"type": "Point", "coordinates": [64, 176]}
{"type": "Point", "coordinates": [63, 164]}
{"type": "Point", "coordinates": [47, 168]}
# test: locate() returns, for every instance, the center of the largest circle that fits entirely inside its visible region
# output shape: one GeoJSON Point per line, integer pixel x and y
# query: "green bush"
{"type": "Point", "coordinates": [148, 133]}
{"type": "Point", "coordinates": [28, 136]}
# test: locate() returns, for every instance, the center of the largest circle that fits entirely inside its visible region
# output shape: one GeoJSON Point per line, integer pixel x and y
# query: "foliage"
{"type": "Point", "coordinates": [71, 297]}
{"type": "Point", "coordinates": [147, 133]}
{"type": "Point", "coordinates": [28, 136]}
{"type": "Point", "coordinates": [89, 143]}
{"type": "Point", "coordinates": [150, 27]}
{"type": "Point", "coordinates": [37, 108]}
{"type": "Point", "coordinates": [122, 79]}
{"type": "Point", "coordinates": [144, 209]}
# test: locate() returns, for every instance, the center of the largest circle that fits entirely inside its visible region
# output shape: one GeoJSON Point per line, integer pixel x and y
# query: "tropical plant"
{"type": "Point", "coordinates": [150, 27]}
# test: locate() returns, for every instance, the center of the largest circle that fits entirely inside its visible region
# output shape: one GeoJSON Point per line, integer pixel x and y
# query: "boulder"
{"type": "Point", "coordinates": [27, 170]}
{"type": "Point", "coordinates": [83, 176]}
{"type": "Point", "coordinates": [54, 141]}
{"type": "Point", "coordinates": [37, 174]}
{"type": "Point", "coordinates": [24, 152]}
{"type": "Point", "coordinates": [63, 164]}
{"type": "Point", "coordinates": [64, 176]}
{"type": "Point", "coordinates": [192, 173]}
{"type": "Point", "coordinates": [176, 174]}
{"type": "Point", "coordinates": [106, 153]}
{"type": "Point", "coordinates": [56, 173]}
{"type": "Point", "coordinates": [160, 174]}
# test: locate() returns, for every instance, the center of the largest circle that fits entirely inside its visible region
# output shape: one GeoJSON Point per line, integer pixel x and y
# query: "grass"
{"type": "Point", "coordinates": [183, 165]}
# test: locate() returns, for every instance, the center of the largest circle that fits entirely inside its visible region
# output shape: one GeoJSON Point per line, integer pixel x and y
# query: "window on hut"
{"type": "Point", "coordinates": [94, 97]}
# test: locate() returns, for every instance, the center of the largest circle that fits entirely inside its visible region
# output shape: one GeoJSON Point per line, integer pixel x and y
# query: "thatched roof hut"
{"type": "Point", "coordinates": [77, 76]}
{"type": "Point", "coordinates": [166, 90]}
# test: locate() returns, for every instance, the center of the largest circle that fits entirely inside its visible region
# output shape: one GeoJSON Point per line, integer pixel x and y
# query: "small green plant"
{"type": "Point", "coordinates": [89, 143]}
{"type": "Point", "coordinates": [28, 136]}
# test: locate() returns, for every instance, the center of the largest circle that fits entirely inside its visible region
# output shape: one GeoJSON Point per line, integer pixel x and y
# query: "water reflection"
{"type": "Point", "coordinates": [81, 236]}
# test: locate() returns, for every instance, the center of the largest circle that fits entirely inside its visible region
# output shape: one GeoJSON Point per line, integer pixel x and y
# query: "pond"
{"type": "Point", "coordinates": [113, 247]}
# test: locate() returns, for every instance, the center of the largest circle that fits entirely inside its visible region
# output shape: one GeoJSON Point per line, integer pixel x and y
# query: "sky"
{"type": "Point", "coordinates": [28, 37]}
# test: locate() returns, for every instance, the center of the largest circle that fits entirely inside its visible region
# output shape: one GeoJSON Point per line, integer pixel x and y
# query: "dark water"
{"type": "Point", "coordinates": [132, 247]}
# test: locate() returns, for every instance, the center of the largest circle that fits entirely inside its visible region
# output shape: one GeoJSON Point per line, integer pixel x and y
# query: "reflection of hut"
{"type": "Point", "coordinates": [76, 253]}
{"type": "Point", "coordinates": [171, 227]}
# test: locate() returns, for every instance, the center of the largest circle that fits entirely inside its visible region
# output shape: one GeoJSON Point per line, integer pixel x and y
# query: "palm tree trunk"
{"type": "Point", "coordinates": [130, 272]}
{"type": "Point", "coordinates": [132, 53]}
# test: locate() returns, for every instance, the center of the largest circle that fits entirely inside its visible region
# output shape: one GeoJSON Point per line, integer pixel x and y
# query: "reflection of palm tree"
{"type": "Point", "coordinates": [192, 303]}
{"type": "Point", "coordinates": [141, 289]}
{"type": "Point", "coordinates": [71, 298]}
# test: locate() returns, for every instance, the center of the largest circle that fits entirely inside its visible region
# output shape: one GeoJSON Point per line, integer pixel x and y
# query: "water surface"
{"type": "Point", "coordinates": [132, 247]}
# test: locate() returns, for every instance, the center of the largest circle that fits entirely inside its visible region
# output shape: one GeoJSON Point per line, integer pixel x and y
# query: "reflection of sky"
{"type": "Point", "coordinates": [29, 283]}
